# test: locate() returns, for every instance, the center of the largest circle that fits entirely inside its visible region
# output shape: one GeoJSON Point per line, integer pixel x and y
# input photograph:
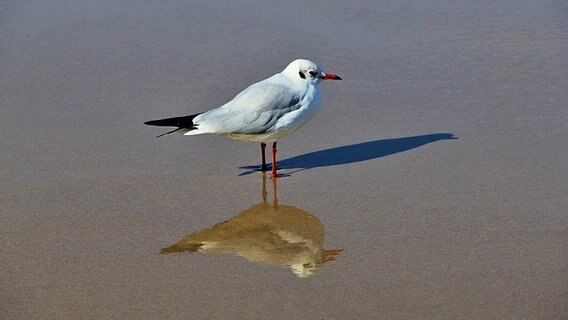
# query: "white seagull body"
{"type": "Point", "coordinates": [263, 112]}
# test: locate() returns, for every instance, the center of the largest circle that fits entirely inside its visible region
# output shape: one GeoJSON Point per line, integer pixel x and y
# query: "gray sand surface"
{"type": "Point", "coordinates": [439, 165]}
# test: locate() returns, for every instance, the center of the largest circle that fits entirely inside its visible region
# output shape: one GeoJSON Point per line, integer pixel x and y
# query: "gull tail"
{"type": "Point", "coordinates": [183, 124]}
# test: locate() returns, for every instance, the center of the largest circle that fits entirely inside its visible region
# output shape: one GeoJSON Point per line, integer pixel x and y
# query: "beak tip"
{"type": "Point", "coordinates": [330, 76]}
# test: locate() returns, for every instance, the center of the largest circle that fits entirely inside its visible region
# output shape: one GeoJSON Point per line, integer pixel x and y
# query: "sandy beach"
{"type": "Point", "coordinates": [432, 183]}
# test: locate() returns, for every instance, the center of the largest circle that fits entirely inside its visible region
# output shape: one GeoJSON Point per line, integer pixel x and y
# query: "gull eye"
{"type": "Point", "coordinates": [312, 73]}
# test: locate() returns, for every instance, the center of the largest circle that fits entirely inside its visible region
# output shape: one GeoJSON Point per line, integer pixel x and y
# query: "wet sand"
{"type": "Point", "coordinates": [432, 184]}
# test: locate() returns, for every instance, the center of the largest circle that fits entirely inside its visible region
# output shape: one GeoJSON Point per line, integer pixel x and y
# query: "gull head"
{"type": "Point", "coordinates": [302, 70]}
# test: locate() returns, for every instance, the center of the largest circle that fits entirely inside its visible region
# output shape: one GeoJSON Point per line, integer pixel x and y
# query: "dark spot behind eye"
{"type": "Point", "coordinates": [302, 75]}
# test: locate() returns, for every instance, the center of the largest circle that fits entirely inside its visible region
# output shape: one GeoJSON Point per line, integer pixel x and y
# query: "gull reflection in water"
{"type": "Point", "coordinates": [273, 234]}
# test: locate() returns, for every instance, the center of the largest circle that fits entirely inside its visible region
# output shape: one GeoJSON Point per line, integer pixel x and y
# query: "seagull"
{"type": "Point", "coordinates": [263, 112]}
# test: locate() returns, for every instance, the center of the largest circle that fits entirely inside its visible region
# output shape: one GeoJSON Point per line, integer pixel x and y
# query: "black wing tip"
{"type": "Point", "coordinates": [180, 122]}
{"type": "Point", "coordinates": [151, 123]}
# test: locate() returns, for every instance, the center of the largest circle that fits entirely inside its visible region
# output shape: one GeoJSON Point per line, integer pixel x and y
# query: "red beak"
{"type": "Point", "coordinates": [331, 76]}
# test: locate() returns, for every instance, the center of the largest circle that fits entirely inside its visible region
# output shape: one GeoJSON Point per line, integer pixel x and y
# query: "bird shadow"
{"type": "Point", "coordinates": [353, 153]}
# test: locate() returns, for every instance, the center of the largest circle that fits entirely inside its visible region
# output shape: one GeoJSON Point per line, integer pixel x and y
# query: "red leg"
{"type": "Point", "coordinates": [262, 149]}
{"type": "Point", "coordinates": [274, 175]}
